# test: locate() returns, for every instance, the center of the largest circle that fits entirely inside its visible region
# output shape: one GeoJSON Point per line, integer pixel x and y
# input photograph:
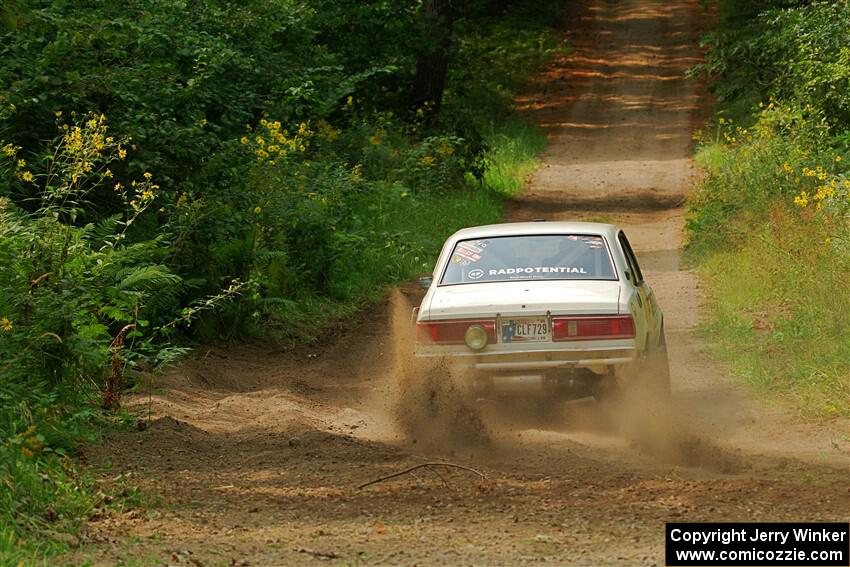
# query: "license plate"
{"type": "Point", "coordinates": [525, 330]}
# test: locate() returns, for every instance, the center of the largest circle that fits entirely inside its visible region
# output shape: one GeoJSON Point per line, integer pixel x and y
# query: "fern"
{"type": "Point", "coordinates": [149, 278]}
{"type": "Point", "coordinates": [101, 233]}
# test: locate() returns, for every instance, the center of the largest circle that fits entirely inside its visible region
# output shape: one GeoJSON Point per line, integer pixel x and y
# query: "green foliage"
{"type": "Point", "coordinates": [784, 50]}
{"type": "Point", "coordinates": [770, 223]}
{"type": "Point", "coordinates": [70, 291]}
{"type": "Point", "coordinates": [782, 311]}
{"type": "Point", "coordinates": [513, 149]}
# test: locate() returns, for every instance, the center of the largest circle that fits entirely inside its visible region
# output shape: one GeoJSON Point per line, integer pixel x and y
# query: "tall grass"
{"type": "Point", "coordinates": [781, 312]}
{"type": "Point", "coordinates": [512, 157]}
{"type": "Point", "coordinates": [769, 229]}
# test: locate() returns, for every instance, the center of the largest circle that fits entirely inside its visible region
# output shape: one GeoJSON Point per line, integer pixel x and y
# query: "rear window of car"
{"type": "Point", "coordinates": [539, 257]}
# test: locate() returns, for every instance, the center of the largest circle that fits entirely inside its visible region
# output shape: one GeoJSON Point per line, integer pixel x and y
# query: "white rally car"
{"type": "Point", "coordinates": [560, 308]}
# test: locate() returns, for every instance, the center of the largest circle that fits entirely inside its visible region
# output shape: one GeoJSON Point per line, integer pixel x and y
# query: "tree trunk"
{"type": "Point", "coordinates": [431, 67]}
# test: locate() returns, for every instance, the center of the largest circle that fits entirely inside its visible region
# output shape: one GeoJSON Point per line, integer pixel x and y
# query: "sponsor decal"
{"type": "Point", "coordinates": [593, 242]}
{"type": "Point", "coordinates": [470, 246]}
{"type": "Point", "coordinates": [537, 270]}
{"type": "Point", "coordinates": [468, 254]}
{"type": "Point", "coordinates": [475, 274]}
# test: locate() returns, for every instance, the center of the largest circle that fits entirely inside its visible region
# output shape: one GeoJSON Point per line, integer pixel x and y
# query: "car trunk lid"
{"type": "Point", "coordinates": [517, 299]}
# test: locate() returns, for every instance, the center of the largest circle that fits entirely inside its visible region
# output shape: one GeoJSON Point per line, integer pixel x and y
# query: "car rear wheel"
{"type": "Point", "coordinates": [649, 375]}
{"type": "Point", "coordinates": [657, 369]}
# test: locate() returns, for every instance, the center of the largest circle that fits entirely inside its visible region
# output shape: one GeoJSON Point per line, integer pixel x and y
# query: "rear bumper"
{"type": "Point", "coordinates": [597, 356]}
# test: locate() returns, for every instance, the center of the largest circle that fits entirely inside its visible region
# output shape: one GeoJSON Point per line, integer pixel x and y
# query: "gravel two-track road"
{"type": "Point", "coordinates": [254, 454]}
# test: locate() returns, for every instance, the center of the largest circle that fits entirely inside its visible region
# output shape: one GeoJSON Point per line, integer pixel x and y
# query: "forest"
{"type": "Point", "coordinates": [176, 174]}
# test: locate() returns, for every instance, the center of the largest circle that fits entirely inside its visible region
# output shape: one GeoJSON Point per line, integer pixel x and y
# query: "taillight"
{"type": "Point", "coordinates": [452, 332]}
{"type": "Point", "coordinates": [584, 328]}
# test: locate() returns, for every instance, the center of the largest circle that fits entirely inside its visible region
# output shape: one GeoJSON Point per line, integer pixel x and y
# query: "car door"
{"type": "Point", "coordinates": [644, 300]}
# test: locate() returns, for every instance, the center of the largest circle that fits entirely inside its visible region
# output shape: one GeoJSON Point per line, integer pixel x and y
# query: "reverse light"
{"type": "Point", "coordinates": [469, 332]}
{"type": "Point", "coordinates": [594, 327]}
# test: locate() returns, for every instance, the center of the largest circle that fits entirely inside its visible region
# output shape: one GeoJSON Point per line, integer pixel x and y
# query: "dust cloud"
{"type": "Point", "coordinates": [655, 426]}
{"type": "Point", "coordinates": [427, 399]}
{"type": "Point", "coordinates": [429, 403]}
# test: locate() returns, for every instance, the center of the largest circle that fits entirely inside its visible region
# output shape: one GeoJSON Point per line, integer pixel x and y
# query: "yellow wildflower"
{"type": "Point", "coordinates": [27, 176]}
{"type": "Point", "coordinates": [244, 140]}
{"type": "Point", "coordinates": [787, 167]}
{"type": "Point", "coordinates": [118, 186]}
{"type": "Point", "coordinates": [427, 160]}
{"type": "Point", "coordinates": [802, 199]}
{"type": "Point", "coordinates": [122, 153]}
{"type": "Point", "coordinates": [107, 173]}
{"type": "Point", "coordinates": [9, 150]}
{"type": "Point", "coordinates": [837, 158]}
{"type": "Point", "coordinates": [5, 324]}
{"type": "Point", "coordinates": [22, 163]}
{"type": "Point", "coordinates": [377, 137]}
{"type": "Point", "coordinates": [148, 175]}
{"type": "Point", "coordinates": [258, 210]}
{"type": "Point", "coordinates": [260, 141]}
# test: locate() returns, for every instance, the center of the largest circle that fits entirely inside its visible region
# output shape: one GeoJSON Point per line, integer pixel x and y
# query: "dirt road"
{"type": "Point", "coordinates": [253, 455]}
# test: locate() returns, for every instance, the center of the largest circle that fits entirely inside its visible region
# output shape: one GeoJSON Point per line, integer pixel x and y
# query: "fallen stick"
{"type": "Point", "coordinates": [323, 555]}
{"type": "Point", "coordinates": [420, 466]}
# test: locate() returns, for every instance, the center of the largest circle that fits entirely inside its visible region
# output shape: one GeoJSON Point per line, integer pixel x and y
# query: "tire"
{"type": "Point", "coordinates": [648, 376]}
{"type": "Point", "coordinates": [657, 369]}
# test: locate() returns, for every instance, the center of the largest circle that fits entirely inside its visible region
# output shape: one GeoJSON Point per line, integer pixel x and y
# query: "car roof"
{"type": "Point", "coordinates": [536, 228]}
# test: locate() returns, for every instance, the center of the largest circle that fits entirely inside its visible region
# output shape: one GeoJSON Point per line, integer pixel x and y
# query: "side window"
{"type": "Point", "coordinates": [630, 258]}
